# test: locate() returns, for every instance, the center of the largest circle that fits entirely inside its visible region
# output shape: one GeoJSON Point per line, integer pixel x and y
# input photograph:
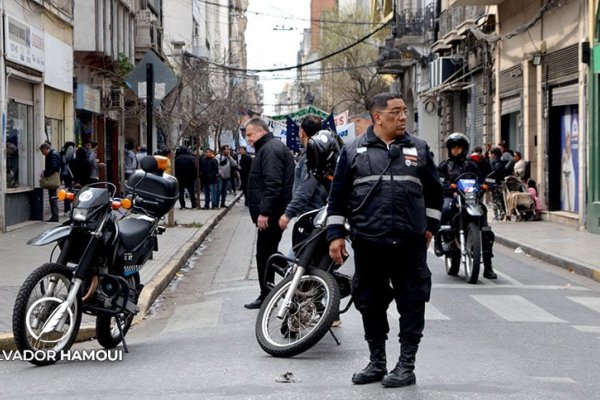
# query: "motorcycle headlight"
{"type": "Point", "coordinates": [471, 198]}
{"type": "Point", "coordinates": [80, 214]}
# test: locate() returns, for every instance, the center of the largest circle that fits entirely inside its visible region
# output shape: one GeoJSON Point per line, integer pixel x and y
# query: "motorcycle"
{"type": "Point", "coordinates": [465, 242]}
{"type": "Point", "coordinates": [102, 247]}
{"type": "Point", "coordinates": [300, 309]}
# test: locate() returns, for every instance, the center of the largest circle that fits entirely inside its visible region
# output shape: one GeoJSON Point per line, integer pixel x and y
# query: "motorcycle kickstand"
{"type": "Point", "coordinates": [334, 337]}
{"type": "Point", "coordinates": [118, 318]}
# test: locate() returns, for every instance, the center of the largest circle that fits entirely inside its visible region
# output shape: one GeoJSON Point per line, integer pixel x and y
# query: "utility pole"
{"type": "Point", "coordinates": [149, 105]}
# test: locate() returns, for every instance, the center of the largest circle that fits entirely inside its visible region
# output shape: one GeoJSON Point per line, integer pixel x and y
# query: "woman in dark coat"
{"type": "Point", "coordinates": [80, 168]}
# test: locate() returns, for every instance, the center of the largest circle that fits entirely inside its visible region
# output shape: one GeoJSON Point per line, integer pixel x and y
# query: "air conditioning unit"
{"type": "Point", "coordinates": [441, 69]}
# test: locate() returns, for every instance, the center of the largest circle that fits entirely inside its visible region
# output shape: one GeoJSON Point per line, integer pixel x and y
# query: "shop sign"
{"type": "Point", "coordinates": [88, 98]}
{"type": "Point", "coordinates": [25, 44]}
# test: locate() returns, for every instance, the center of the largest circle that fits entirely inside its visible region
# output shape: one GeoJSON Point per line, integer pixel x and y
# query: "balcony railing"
{"type": "Point", "coordinates": [456, 15]}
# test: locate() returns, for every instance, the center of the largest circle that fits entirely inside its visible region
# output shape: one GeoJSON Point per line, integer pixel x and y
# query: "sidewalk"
{"type": "Point", "coordinates": [554, 243]}
{"type": "Point", "coordinates": [176, 245]}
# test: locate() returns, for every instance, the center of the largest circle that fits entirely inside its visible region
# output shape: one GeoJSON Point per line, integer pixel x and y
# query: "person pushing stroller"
{"type": "Point", "coordinates": [449, 170]}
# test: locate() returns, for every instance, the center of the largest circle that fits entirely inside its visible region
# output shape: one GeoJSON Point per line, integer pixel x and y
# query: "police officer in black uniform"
{"type": "Point", "coordinates": [457, 164]}
{"type": "Point", "coordinates": [387, 187]}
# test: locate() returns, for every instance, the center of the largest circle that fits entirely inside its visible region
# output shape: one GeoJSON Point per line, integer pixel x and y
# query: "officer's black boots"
{"type": "Point", "coordinates": [488, 272]}
{"type": "Point", "coordinates": [403, 374]}
{"type": "Point", "coordinates": [376, 369]}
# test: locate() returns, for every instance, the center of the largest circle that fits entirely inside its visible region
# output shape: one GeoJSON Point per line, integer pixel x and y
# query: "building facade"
{"type": "Point", "coordinates": [36, 99]}
{"type": "Point", "coordinates": [104, 40]}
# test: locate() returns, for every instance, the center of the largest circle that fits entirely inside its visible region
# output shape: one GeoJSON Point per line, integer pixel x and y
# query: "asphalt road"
{"type": "Point", "coordinates": [532, 334]}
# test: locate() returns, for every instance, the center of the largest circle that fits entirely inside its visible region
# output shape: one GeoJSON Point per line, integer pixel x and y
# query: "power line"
{"type": "Point", "coordinates": [364, 38]}
{"type": "Point", "coordinates": [232, 8]}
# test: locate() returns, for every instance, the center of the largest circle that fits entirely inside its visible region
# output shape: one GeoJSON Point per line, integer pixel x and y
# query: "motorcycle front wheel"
{"type": "Point", "coordinates": [473, 256]}
{"type": "Point", "coordinates": [38, 300]}
{"type": "Point", "coordinates": [307, 320]}
{"type": "Point", "coordinates": [107, 331]}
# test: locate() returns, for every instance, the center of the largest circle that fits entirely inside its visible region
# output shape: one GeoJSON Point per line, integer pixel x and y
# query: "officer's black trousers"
{"type": "Point", "coordinates": [387, 272]}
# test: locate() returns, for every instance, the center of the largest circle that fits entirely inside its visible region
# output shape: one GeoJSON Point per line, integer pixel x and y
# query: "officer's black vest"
{"type": "Point", "coordinates": [386, 208]}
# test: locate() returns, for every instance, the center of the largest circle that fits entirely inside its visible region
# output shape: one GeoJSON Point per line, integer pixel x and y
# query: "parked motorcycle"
{"type": "Point", "coordinates": [300, 309]}
{"type": "Point", "coordinates": [465, 241]}
{"type": "Point", "coordinates": [103, 246]}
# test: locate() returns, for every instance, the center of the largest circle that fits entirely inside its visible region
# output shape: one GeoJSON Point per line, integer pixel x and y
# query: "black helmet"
{"type": "Point", "coordinates": [322, 153]}
{"type": "Point", "coordinates": [458, 139]}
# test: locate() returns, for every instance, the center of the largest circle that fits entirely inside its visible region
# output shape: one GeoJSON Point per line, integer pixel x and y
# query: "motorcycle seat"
{"type": "Point", "coordinates": [133, 229]}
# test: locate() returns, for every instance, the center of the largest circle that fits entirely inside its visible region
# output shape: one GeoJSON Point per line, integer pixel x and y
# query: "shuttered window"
{"type": "Point", "coordinates": [510, 105]}
{"type": "Point", "coordinates": [565, 95]}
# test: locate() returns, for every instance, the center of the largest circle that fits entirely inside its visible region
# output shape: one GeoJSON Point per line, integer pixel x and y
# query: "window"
{"type": "Point", "coordinates": [19, 134]}
{"type": "Point", "coordinates": [55, 133]}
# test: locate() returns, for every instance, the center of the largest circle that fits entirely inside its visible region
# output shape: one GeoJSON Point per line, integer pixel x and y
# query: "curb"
{"type": "Point", "coordinates": [570, 265]}
{"type": "Point", "coordinates": [157, 284]}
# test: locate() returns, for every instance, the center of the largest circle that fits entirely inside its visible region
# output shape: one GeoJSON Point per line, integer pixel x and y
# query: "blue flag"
{"type": "Point", "coordinates": [293, 135]}
{"type": "Point", "coordinates": [329, 123]}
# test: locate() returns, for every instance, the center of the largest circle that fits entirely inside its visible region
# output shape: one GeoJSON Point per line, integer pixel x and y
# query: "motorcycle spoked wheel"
{"type": "Point", "coordinates": [39, 297]}
{"type": "Point", "coordinates": [308, 320]}
{"type": "Point", "coordinates": [473, 258]}
{"type": "Point", "coordinates": [107, 331]}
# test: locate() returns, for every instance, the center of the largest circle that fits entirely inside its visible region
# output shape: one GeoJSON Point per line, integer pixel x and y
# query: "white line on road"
{"type": "Point", "coordinates": [508, 278]}
{"type": "Point", "coordinates": [554, 379]}
{"type": "Point", "coordinates": [590, 302]}
{"type": "Point", "coordinates": [585, 328]}
{"type": "Point", "coordinates": [431, 313]}
{"type": "Point", "coordinates": [502, 286]}
{"type": "Point", "coordinates": [515, 308]}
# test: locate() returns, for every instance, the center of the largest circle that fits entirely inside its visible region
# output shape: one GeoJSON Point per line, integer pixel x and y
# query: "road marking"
{"type": "Point", "coordinates": [508, 278]}
{"type": "Point", "coordinates": [590, 302]}
{"type": "Point", "coordinates": [515, 308]}
{"type": "Point", "coordinates": [431, 313]}
{"type": "Point", "coordinates": [586, 328]}
{"type": "Point", "coordinates": [486, 286]}
{"type": "Point", "coordinates": [554, 379]}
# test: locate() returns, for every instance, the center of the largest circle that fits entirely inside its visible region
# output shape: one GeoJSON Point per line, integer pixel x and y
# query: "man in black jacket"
{"type": "Point", "coordinates": [387, 187]}
{"type": "Point", "coordinates": [269, 192]}
{"type": "Point", "coordinates": [186, 173]}
{"type": "Point", "coordinates": [209, 170]}
{"type": "Point", "coordinates": [51, 166]}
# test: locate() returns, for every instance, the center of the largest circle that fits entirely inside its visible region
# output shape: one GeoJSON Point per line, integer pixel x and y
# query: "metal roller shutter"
{"type": "Point", "coordinates": [510, 105]}
{"type": "Point", "coordinates": [565, 95]}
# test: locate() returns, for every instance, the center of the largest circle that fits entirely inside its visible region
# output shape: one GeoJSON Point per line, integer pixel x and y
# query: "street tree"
{"type": "Point", "coordinates": [349, 78]}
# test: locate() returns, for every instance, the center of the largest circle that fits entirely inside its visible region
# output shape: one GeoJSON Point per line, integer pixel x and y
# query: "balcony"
{"type": "Point", "coordinates": [476, 2]}
{"type": "Point", "coordinates": [393, 61]}
{"type": "Point", "coordinates": [456, 16]}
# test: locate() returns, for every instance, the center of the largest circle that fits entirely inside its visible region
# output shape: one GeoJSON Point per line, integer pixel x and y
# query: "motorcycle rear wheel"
{"type": "Point", "coordinates": [107, 331]}
{"type": "Point", "coordinates": [473, 257]}
{"type": "Point", "coordinates": [314, 307]}
{"type": "Point", "coordinates": [39, 297]}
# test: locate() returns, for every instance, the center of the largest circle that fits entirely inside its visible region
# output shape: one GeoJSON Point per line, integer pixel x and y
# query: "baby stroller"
{"type": "Point", "coordinates": [519, 204]}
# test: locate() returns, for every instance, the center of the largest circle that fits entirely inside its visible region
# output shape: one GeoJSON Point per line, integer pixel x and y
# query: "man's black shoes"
{"type": "Point", "coordinates": [52, 220]}
{"type": "Point", "coordinates": [254, 305]}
